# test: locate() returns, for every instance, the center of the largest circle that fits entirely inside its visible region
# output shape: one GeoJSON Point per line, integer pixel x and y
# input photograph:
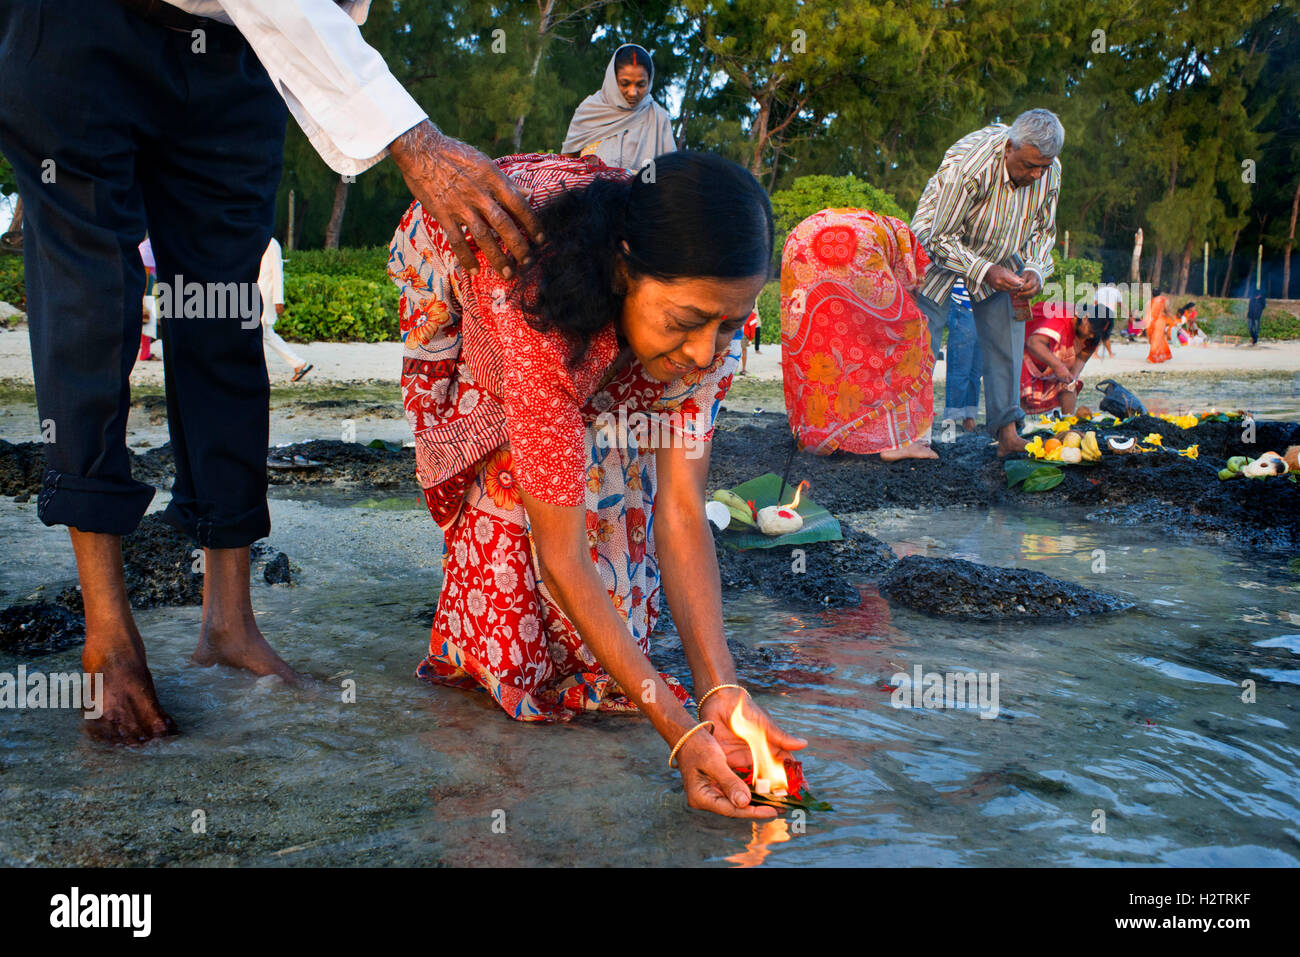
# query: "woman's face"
{"type": "Point", "coordinates": [678, 327]}
{"type": "Point", "coordinates": [633, 81]}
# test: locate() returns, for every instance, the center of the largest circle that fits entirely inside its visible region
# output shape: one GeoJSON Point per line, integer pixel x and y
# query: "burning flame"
{"type": "Point", "coordinates": [794, 504]}
{"type": "Point", "coordinates": [769, 771]}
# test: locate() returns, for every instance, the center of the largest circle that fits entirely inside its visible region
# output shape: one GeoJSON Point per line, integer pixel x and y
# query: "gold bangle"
{"type": "Point", "coordinates": [682, 740]}
{"type": "Point", "coordinates": [700, 705]}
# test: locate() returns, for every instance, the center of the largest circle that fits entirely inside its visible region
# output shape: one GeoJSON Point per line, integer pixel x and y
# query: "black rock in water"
{"type": "Point", "coordinates": [277, 570]}
{"type": "Point", "coordinates": [818, 574]}
{"type": "Point", "coordinates": [22, 466]}
{"type": "Point", "coordinates": [953, 588]}
{"type": "Point", "coordinates": [159, 564]}
{"type": "Point", "coordinates": [40, 628]}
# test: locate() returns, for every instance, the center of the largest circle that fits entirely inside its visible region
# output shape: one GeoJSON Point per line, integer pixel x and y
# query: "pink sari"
{"type": "Point", "coordinates": [855, 348]}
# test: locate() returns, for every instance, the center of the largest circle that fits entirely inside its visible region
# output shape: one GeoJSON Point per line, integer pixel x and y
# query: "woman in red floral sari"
{"type": "Point", "coordinates": [562, 423]}
{"type": "Point", "coordinates": [855, 348]}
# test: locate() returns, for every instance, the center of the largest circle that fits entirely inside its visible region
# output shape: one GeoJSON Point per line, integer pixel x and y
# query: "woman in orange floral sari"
{"type": "Point", "coordinates": [855, 349]}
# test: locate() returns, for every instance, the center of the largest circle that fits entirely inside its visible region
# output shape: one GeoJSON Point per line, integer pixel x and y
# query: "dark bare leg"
{"type": "Point", "coordinates": [114, 647]}
{"type": "Point", "coordinates": [229, 634]}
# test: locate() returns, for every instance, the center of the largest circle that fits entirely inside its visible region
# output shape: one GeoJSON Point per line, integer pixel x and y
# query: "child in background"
{"type": "Point", "coordinates": [1057, 345]}
{"type": "Point", "coordinates": [752, 329]}
{"type": "Point", "coordinates": [149, 307]}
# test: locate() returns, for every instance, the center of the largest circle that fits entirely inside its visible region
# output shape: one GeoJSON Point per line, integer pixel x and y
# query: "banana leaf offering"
{"type": "Point", "coordinates": [747, 499]}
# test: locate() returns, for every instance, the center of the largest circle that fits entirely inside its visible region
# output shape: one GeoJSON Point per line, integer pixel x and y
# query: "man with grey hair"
{"type": "Point", "coordinates": [989, 215]}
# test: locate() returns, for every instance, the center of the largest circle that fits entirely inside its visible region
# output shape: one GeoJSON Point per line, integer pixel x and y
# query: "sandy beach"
{"type": "Point", "coordinates": [369, 361]}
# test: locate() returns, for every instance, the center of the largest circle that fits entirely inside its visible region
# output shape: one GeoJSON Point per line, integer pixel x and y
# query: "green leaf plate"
{"type": "Point", "coordinates": [819, 525]}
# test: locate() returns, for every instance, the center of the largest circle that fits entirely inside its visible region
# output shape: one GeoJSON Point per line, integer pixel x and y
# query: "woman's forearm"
{"type": "Point", "coordinates": [577, 588]}
{"type": "Point", "coordinates": [1037, 347]}
{"type": "Point", "coordinates": [688, 566]}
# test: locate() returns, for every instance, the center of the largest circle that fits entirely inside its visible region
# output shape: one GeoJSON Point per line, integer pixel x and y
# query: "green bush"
{"type": "Point", "coordinates": [338, 308]}
{"type": "Point", "coordinates": [811, 194]}
{"type": "Point", "coordinates": [365, 262]}
{"type": "Point", "coordinates": [1083, 271]}
{"type": "Point", "coordinates": [769, 307]}
{"type": "Point", "coordinates": [13, 289]}
{"type": "Point", "coordinates": [1274, 324]}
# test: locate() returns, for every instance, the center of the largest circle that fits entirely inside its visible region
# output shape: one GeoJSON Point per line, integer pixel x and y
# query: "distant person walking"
{"type": "Point", "coordinates": [270, 282]}
{"type": "Point", "coordinates": [991, 206]}
{"type": "Point", "coordinates": [1108, 303]}
{"type": "Point", "coordinates": [621, 124]}
{"type": "Point", "coordinates": [1255, 314]}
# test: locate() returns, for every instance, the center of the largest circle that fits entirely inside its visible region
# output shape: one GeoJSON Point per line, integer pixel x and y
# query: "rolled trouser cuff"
{"type": "Point", "coordinates": [210, 530]}
{"type": "Point", "coordinates": [92, 505]}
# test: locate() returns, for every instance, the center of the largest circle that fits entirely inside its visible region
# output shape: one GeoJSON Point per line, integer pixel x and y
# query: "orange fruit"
{"type": "Point", "coordinates": [1051, 445]}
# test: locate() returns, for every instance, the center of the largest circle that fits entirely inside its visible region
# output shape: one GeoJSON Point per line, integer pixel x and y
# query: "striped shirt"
{"type": "Point", "coordinates": [971, 218]}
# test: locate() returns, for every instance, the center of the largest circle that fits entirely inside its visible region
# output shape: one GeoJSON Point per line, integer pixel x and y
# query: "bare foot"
{"type": "Point", "coordinates": [913, 450]}
{"type": "Point", "coordinates": [131, 712]}
{"type": "Point", "coordinates": [240, 646]}
{"type": "Point", "coordinates": [1010, 444]}
{"type": "Point", "coordinates": [968, 425]}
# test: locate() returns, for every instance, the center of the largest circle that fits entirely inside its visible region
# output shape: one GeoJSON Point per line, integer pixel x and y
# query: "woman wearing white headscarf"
{"type": "Point", "coordinates": [620, 123]}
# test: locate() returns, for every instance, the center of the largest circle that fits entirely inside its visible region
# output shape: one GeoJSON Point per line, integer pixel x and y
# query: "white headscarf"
{"type": "Point", "coordinates": [628, 136]}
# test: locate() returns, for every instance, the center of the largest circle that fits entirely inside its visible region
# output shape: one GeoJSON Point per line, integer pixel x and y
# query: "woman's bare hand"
{"type": "Point", "coordinates": [719, 709]}
{"type": "Point", "coordinates": [460, 187]}
{"type": "Point", "coordinates": [709, 782]}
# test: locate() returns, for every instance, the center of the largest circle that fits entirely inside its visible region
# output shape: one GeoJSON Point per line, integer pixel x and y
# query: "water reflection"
{"type": "Point", "coordinates": [765, 834]}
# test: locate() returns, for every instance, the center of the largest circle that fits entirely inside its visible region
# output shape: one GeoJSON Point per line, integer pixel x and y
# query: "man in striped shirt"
{"type": "Point", "coordinates": [989, 215]}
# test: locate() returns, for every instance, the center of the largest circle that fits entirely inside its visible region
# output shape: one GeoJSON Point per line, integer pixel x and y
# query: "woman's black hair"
{"type": "Point", "coordinates": [633, 55]}
{"type": "Point", "coordinates": [685, 215]}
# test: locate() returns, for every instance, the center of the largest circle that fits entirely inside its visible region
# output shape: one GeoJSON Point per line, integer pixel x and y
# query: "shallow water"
{"type": "Point", "coordinates": [1275, 396]}
{"type": "Point", "coordinates": [1139, 716]}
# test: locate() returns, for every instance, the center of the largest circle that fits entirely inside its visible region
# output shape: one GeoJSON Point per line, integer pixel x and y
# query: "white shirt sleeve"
{"type": "Point", "coordinates": [338, 87]}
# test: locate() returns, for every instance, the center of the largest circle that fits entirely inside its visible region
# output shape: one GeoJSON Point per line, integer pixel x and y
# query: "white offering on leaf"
{"type": "Point", "coordinates": [781, 519]}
